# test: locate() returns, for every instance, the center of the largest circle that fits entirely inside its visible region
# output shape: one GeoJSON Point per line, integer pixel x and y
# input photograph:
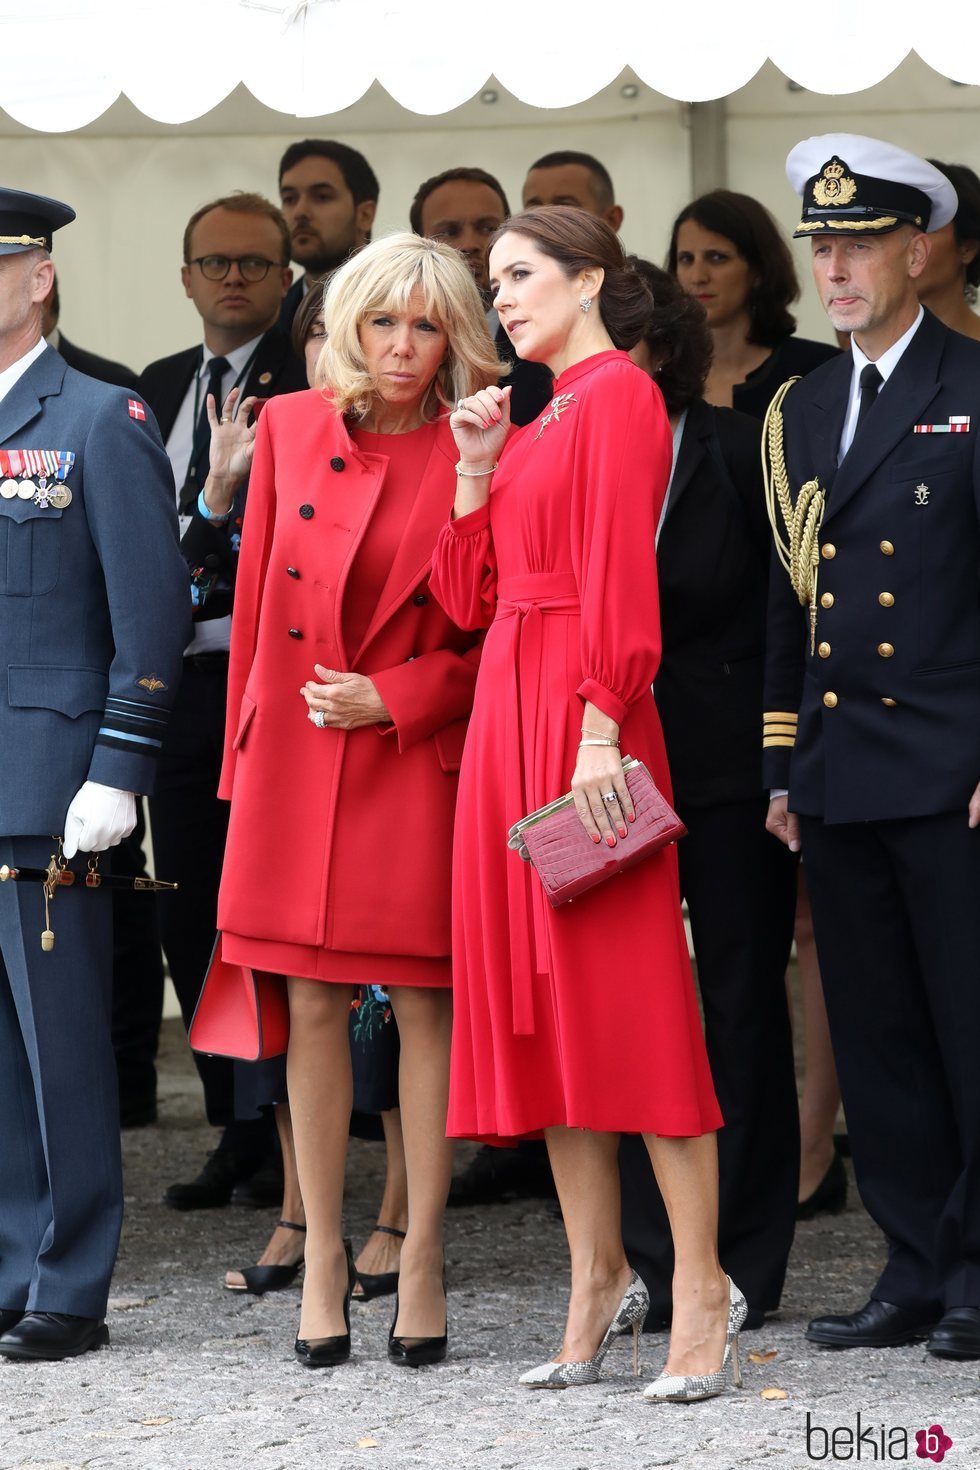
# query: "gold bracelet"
{"type": "Point", "coordinates": [475, 474]}
{"type": "Point", "coordinates": [586, 731]}
{"type": "Point", "coordinates": [603, 741]}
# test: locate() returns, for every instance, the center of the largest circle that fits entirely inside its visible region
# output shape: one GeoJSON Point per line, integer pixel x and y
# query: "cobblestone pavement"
{"type": "Point", "coordinates": [199, 1378]}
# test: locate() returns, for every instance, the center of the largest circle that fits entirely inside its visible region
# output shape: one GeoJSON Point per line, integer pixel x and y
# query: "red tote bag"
{"type": "Point", "coordinates": [241, 1013]}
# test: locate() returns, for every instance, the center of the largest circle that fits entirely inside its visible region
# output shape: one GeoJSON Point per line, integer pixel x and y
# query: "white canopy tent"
{"type": "Point", "coordinates": [177, 59]}
{"type": "Point", "coordinates": [137, 111]}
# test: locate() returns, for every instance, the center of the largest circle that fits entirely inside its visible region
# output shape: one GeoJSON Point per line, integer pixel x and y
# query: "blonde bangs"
{"type": "Point", "coordinates": [382, 278]}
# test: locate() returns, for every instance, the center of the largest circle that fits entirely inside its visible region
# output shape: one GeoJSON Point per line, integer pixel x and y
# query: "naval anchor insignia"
{"type": "Point", "coordinates": [834, 186]}
{"type": "Point", "coordinates": [922, 494]}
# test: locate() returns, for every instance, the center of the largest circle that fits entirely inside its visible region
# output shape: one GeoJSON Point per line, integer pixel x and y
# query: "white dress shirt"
{"type": "Point", "coordinates": [214, 634]}
{"type": "Point", "coordinates": [886, 365]}
{"type": "Point", "coordinates": [17, 369]}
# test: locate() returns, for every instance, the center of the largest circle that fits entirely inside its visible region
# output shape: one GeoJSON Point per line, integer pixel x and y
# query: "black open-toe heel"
{"type": "Point", "coordinates": [260, 1279]}
{"type": "Point", "coordinates": [329, 1352]}
{"type": "Point", "coordinates": [382, 1283]}
{"type": "Point", "coordinates": [418, 1351]}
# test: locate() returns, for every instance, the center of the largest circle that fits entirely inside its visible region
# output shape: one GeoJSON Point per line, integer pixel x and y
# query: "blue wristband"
{"type": "Point", "coordinates": [208, 515]}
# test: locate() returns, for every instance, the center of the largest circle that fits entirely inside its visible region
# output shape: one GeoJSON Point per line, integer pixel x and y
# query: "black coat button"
{"type": "Point", "coordinates": [292, 572]}
{"type": "Point", "coordinates": [295, 633]}
{"type": "Point", "coordinates": [337, 463]}
{"type": "Point", "coordinates": [306, 511]}
{"type": "Point", "coordinates": [420, 600]}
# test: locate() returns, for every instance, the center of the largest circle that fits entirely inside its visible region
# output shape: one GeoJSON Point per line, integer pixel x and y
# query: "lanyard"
{"type": "Point", "coordinates": [190, 479]}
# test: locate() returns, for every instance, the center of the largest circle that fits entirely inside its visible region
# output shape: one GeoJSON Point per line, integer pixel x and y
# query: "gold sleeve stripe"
{"type": "Point", "coordinates": [780, 730]}
{"type": "Point", "coordinates": [778, 740]}
{"type": "Point", "coordinates": [785, 717]}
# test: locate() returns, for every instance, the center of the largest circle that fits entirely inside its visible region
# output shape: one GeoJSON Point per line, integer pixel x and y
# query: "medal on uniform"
{"type": "Point", "coordinates": [37, 475]}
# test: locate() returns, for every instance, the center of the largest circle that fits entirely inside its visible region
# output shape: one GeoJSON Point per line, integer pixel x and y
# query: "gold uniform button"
{"type": "Point", "coordinates": [830, 699]}
{"type": "Point", "coordinates": [828, 552]}
{"type": "Point", "coordinates": [889, 702]}
{"type": "Point", "coordinates": [886, 548]}
{"type": "Point", "coordinates": [886, 599]}
{"type": "Point", "coordinates": [886, 650]}
{"type": "Point", "coordinates": [823, 649]}
{"type": "Point", "coordinates": [827, 599]}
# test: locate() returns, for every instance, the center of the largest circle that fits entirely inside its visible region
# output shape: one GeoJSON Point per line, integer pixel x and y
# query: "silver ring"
{"type": "Point", "coordinates": [319, 719]}
{"type": "Point", "coordinates": [609, 797]}
{"type": "Point", "coordinates": [224, 421]}
{"type": "Point", "coordinates": [460, 403]}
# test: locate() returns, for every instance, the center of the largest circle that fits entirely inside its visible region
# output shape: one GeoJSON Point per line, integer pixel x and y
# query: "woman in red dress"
{"type": "Point", "coordinates": [580, 1022]}
{"type": "Point", "coordinates": [348, 691]}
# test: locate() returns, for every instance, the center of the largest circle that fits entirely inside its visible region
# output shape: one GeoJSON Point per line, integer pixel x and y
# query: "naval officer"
{"type": "Point", "coordinates": [91, 636]}
{"type": "Point", "coordinates": [873, 722]}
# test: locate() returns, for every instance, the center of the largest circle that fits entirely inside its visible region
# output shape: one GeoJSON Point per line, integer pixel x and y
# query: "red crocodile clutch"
{"type": "Point", "coordinates": [564, 856]}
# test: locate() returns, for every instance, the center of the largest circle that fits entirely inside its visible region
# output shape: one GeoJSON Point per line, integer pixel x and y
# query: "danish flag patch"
{"type": "Point", "coordinates": [136, 410]}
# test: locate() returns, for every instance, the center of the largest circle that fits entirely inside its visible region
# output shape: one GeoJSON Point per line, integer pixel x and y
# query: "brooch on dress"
{"type": "Point", "coordinates": [559, 403]}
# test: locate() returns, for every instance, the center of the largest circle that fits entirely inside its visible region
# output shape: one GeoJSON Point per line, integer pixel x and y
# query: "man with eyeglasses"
{"type": "Point", "coordinates": [236, 272]}
{"type": "Point", "coordinates": [463, 207]}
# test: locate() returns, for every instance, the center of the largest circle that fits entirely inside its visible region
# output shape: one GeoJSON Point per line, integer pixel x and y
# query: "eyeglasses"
{"type": "Point", "coordinates": [216, 267]}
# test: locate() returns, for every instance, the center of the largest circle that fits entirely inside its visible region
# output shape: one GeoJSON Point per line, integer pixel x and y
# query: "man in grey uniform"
{"type": "Point", "coordinates": [91, 636]}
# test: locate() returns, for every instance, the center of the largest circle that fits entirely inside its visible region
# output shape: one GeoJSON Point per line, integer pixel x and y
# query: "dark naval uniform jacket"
{"type": "Point", "coordinates": [94, 616]}
{"type": "Point", "coordinates": [882, 719]}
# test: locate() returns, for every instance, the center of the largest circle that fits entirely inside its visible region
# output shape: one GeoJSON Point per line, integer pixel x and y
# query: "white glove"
{"type": "Point", "coordinates": [99, 817]}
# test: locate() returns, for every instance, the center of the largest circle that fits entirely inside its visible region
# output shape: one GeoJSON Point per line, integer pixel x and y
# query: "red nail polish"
{"type": "Point", "coordinates": [596, 837]}
{"type": "Point", "coordinates": [621, 831]}
{"type": "Point", "coordinates": [611, 841]}
{"type": "Point", "coordinates": [632, 816]}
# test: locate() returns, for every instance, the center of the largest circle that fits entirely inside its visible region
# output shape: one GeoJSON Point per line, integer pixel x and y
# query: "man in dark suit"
{"type": "Point", "coordinates": [873, 699]}
{"type": "Point", "coordinates": [89, 363]}
{"type": "Point", "coordinates": [137, 962]}
{"type": "Point", "coordinates": [329, 197]}
{"type": "Point", "coordinates": [462, 207]}
{"type": "Point", "coordinates": [569, 177]}
{"type": "Point", "coordinates": [94, 617]}
{"type": "Point", "coordinates": [236, 271]}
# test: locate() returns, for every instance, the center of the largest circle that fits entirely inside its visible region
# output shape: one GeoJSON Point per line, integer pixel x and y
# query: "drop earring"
{"type": "Point", "coordinates": [585, 302]}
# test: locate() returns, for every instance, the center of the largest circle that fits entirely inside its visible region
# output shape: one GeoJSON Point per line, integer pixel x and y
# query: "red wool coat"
{"type": "Point", "coordinates": [340, 838]}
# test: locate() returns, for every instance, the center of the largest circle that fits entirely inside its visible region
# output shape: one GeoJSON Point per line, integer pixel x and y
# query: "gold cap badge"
{"type": "Point", "coordinates": [834, 186]}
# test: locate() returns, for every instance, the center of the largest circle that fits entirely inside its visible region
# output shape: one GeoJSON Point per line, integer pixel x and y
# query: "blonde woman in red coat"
{"type": "Point", "coordinates": [349, 690]}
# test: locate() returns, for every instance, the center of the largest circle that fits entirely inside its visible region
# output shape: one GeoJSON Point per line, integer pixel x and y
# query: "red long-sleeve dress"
{"type": "Point", "coordinates": [585, 1015]}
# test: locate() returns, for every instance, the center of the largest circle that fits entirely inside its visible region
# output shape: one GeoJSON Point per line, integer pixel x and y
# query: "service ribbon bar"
{"type": "Point", "coordinates": [958, 424]}
{"type": "Point", "coordinates": [47, 464]}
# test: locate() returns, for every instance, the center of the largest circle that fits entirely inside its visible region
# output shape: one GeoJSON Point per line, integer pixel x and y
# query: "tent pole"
{"type": "Point", "coordinates": [709, 146]}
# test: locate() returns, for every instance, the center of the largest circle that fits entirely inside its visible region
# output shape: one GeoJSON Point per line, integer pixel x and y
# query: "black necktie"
{"type": "Point", "coordinates": [871, 381]}
{"type": "Point", "coordinates": [217, 368]}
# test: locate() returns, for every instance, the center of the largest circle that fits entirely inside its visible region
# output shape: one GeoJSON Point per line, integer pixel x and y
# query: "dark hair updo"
{"type": "Point", "coordinates": [678, 337]}
{"type": "Point", "coordinates": [966, 220]}
{"type": "Point", "coordinates": [756, 236]}
{"type": "Point", "coordinates": [581, 241]}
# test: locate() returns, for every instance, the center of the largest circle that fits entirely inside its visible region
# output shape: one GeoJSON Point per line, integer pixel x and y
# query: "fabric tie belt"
{"type": "Point", "coordinates": [529, 600]}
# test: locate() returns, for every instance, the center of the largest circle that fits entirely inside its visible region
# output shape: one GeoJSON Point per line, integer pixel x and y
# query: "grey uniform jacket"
{"type": "Point", "coordinates": [94, 608]}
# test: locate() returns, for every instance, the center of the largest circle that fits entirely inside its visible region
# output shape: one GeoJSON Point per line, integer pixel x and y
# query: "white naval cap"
{"type": "Point", "coordinates": [851, 185]}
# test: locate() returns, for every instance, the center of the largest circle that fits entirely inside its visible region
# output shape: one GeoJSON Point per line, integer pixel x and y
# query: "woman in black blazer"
{"type": "Point", "coordinates": [726, 251]}
{"type": "Point", "coordinates": [740, 885]}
